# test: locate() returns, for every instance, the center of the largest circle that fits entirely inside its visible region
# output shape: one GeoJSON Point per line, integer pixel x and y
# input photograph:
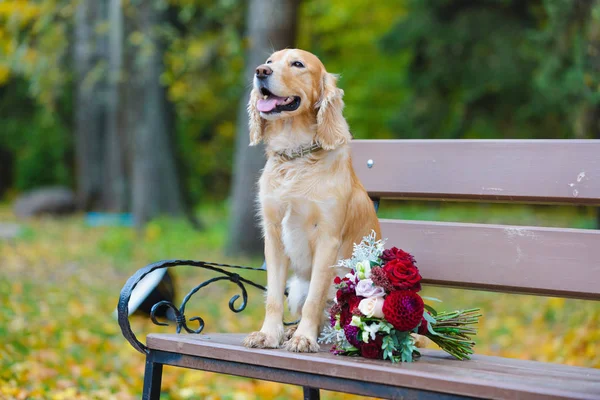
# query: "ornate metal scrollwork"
{"type": "Point", "coordinates": [179, 313]}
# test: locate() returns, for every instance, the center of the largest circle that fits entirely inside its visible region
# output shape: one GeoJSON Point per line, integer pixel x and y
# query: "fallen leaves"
{"type": "Point", "coordinates": [59, 340]}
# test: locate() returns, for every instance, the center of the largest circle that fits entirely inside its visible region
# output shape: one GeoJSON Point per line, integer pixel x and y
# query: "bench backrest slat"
{"type": "Point", "coordinates": [549, 261]}
{"type": "Point", "coordinates": [540, 171]}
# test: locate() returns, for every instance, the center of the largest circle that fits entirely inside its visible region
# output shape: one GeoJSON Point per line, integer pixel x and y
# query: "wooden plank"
{"type": "Point", "coordinates": [291, 377]}
{"type": "Point", "coordinates": [549, 261]}
{"type": "Point", "coordinates": [540, 171]}
{"type": "Point", "coordinates": [484, 376]}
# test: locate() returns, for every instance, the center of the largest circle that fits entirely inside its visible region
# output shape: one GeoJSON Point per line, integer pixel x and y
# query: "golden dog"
{"type": "Point", "coordinates": [313, 208]}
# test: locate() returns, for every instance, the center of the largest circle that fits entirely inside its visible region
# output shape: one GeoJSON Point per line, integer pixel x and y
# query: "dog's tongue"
{"type": "Point", "coordinates": [269, 104]}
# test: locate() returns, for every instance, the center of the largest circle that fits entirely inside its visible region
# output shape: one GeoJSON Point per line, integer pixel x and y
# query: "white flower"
{"type": "Point", "coordinates": [356, 321]}
{"type": "Point", "coordinates": [372, 307]}
{"type": "Point", "coordinates": [370, 331]}
{"type": "Point", "coordinates": [365, 336]}
{"type": "Point", "coordinates": [366, 288]}
{"type": "Point", "coordinates": [363, 269]}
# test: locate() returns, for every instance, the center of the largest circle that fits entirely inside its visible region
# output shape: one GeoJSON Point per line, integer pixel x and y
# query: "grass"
{"type": "Point", "coordinates": [60, 280]}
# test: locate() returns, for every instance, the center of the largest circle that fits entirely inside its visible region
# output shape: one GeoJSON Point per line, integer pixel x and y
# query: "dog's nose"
{"type": "Point", "coordinates": [263, 71]}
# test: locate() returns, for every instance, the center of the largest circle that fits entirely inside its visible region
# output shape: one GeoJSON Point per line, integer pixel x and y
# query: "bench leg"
{"type": "Point", "coordinates": [311, 393]}
{"type": "Point", "coordinates": [152, 379]}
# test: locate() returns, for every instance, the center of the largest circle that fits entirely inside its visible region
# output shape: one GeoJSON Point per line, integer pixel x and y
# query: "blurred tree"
{"type": "Point", "coordinates": [116, 180]}
{"type": "Point", "coordinates": [125, 123]}
{"type": "Point", "coordinates": [155, 182]}
{"type": "Point", "coordinates": [89, 97]}
{"type": "Point", "coordinates": [271, 25]}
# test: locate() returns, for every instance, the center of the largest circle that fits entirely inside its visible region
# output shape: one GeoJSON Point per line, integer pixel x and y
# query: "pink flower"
{"type": "Point", "coordinates": [366, 288]}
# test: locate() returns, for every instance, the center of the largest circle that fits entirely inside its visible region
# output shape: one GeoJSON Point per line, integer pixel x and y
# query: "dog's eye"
{"type": "Point", "coordinates": [297, 64]}
{"type": "Point", "coordinates": [269, 61]}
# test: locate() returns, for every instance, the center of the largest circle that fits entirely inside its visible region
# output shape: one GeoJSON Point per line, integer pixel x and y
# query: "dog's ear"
{"type": "Point", "coordinates": [332, 128]}
{"type": "Point", "coordinates": [255, 122]}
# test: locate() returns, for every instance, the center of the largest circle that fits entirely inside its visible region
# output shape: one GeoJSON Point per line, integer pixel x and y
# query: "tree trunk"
{"type": "Point", "coordinates": [271, 26]}
{"type": "Point", "coordinates": [115, 181]}
{"type": "Point", "coordinates": [156, 187]}
{"type": "Point", "coordinates": [89, 113]}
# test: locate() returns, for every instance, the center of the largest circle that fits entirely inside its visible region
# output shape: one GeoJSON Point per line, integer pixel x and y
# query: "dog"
{"type": "Point", "coordinates": [312, 205]}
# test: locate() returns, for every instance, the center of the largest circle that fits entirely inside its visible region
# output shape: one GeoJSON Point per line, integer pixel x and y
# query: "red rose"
{"type": "Point", "coordinates": [372, 349]}
{"type": "Point", "coordinates": [397, 254]}
{"type": "Point", "coordinates": [403, 309]}
{"type": "Point", "coordinates": [337, 280]}
{"type": "Point", "coordinates": [403, 274]}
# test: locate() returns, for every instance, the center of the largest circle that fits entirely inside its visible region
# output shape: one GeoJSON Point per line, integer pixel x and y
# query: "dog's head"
{"type": "Point", "coordinates": [293, 83]}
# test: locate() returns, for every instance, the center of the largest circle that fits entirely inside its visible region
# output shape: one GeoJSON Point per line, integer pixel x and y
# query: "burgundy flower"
{"type": "Point", "coordinates": [403, 274]}
{"type": "Point", "coordinates": [423, 327]}
{"type": "Point", "coordinates": [351, 332]}
{"type": "Point", "coordinates": [333, 312]}
{"type": "Point", "coordinates": [353, 302]}
{"type": "Point", "coordinates": [397, 254]}
{"type": "Point", "coordinates": [372, 349]}
{"type": "Point", "coordinates": [403, 309]}
{"type": "Point", "coordinates": [345, 316]}
{"type": "Point", "coordinates": [379, 278]}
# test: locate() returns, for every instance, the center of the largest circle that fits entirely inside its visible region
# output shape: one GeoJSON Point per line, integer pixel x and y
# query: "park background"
{"type": "Point", "coordinates": [138, 107]}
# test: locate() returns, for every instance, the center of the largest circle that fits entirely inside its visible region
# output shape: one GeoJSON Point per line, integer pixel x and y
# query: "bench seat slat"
{"type": "Point", "coordinates": [484, 376]}
{"type": "Point", "coordinates": [539, 171]}
{"type": "Point", "coordinates": [549, 261]}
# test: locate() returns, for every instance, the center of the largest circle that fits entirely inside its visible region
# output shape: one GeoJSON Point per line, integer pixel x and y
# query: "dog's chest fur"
{"type": "Point", "coordinates": [300, 202]}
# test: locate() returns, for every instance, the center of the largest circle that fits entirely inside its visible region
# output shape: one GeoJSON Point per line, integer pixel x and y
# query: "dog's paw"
{"type": "Point", "coordinates": [289, 333]}
{"type": "Point", "coordinates": [261, 340]}
{"type": "Point", "coordinates": [420, 340]}
{"type": "Point", "coordinates": [301, 344]}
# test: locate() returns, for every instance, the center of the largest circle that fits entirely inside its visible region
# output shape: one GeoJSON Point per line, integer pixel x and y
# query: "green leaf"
{"type": "Point", "coordinates": [429, 318]}
{"type": "Point", "coordinates": [431, 299]}
{"type": "Point", "coordinates": [430, 309]}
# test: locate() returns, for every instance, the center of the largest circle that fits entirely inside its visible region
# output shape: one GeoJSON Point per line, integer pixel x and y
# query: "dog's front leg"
{"type": "Point", "coordinates": [305, 337]}
{"type": "Point", "coordinates": [271, 333]}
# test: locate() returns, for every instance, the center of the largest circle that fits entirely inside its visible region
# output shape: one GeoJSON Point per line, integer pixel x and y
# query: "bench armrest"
{"type": "Point", "coordinates": [179, 313]}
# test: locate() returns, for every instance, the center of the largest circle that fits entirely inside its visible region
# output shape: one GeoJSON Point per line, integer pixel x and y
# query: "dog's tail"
{"type": "Point", "coordinates": [297, 292]}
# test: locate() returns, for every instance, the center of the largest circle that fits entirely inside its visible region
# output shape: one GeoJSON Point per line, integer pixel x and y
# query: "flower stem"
{"type": "Point", "coordinates": [453, 332]}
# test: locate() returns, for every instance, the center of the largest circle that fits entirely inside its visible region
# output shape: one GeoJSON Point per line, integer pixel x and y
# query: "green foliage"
{"type": "Point", "coordinates": [38, 142]}
{"type": "Point", "coordinates": [35, 91]}
{"type": "Point", "coordinates": [204, 65]}
{"type": "Point", "coordinates": [494, 68]}
{"type": "Point", "coordinates": [399, 347]}
{"type": "Point", "coordinates": [345, 34]}
{"type": "Point", "coordinates": [60, 282]}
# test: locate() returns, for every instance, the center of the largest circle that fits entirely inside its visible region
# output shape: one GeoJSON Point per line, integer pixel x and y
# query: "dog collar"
{"type": "Point", "coordinates": [301, 152]}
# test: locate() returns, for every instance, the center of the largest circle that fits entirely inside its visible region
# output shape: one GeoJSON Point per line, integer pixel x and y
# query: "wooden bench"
{"type": "Point", "coordinates": [516, 259]}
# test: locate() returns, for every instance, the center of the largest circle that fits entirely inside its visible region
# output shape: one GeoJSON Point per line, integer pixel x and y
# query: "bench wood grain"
{"type": "Point", "coordinates": [539, 171]}
{"type": "Point", "coordinates": [483, 376]}
{"type": "Point", "coordinates": [517, 259]}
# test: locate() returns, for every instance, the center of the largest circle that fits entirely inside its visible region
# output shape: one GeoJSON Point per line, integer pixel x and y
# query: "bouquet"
{"type": "Point", "coordinates": [377, 309]}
